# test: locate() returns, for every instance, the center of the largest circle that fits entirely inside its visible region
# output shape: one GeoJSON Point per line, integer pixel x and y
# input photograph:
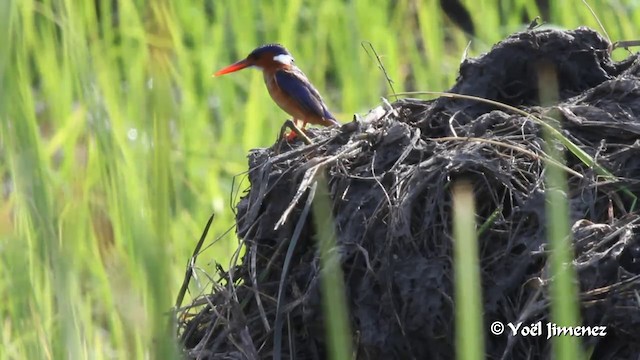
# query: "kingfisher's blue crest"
{"type": "Point", "coordinates": [273, 49]}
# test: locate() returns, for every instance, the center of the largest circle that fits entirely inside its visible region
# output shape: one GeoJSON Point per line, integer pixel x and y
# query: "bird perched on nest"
{"type": "Point", "coordinates": [287, 85]}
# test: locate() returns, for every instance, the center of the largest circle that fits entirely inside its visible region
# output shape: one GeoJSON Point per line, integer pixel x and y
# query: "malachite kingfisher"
{"type": "Point", "coordinates": [287, 85]}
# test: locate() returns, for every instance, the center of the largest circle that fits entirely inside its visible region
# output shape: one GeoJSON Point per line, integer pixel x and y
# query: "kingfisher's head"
{"type": "Point", "coordinates": [266, 57]}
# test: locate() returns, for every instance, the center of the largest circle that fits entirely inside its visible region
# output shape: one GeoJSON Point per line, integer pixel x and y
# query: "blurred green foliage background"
{"type": "Point", "coordinates": [116, 144]}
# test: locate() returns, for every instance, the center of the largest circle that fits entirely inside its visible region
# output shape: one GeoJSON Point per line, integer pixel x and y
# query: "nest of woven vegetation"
{"type": "Point", "coordinates": [389, 175]}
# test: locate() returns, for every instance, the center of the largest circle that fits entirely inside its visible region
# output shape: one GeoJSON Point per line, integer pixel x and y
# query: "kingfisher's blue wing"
{"type": "Point", "coordinates": [295, 85]}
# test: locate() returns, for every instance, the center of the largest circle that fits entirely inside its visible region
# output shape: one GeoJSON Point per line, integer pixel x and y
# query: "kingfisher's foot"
{"type": "Point", "coordinates": [290, 136]}
{"type": "Point", "coordinates": [295, 131]}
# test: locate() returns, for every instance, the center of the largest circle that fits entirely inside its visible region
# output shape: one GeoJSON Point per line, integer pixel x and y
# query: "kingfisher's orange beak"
{"type": "Point", "coordinates": [234, 67]}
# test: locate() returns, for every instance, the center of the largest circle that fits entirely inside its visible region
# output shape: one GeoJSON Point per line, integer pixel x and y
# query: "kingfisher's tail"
{"type": "Point", "coordinates": [329, 117]}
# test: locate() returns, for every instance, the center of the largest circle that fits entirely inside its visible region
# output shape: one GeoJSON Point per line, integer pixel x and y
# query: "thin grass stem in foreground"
{"type": "Point", "coordinates": [334, 302]}
{"type": "Point", "coordinates": [564, 291]}
{"type": "Point", "coordinates": [468, 290]}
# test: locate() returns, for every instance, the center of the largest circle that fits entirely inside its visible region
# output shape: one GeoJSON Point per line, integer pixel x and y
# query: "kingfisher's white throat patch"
{"type": "Point", "coordinates": [284, 59]}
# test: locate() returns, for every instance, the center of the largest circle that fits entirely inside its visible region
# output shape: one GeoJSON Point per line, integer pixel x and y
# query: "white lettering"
{"type": "Point", "coordinates": [514, 329]}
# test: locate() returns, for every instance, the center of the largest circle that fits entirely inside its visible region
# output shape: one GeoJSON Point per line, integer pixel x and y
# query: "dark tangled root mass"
{"type": "Point", "coordinates": [389, 177]}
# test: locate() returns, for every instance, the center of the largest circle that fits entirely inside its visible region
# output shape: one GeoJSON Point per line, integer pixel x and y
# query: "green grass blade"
{"type": "Point", "coordinates": [334, 302]}
{"type": "Point", "coordinates": [563, 287]}
{"type": "Point", "coordinates": [468, 290]}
